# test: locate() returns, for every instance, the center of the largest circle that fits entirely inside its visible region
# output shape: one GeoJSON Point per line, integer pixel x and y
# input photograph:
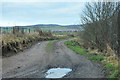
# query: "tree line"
{"type": "Point", "coordinates": [102, 26]}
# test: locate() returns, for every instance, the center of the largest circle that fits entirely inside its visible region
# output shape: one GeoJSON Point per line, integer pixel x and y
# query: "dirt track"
{"type": "Point", "coordinates": [34, 62]}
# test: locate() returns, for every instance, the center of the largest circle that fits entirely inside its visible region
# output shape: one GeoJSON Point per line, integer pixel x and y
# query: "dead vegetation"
{"type": "Point", "coordinates": [13, 43]}
{"type": "Point", "coordinates": [111, 57]}
{"type": "Point", "coordinates": [101, 29]}
{"type": "Point", "coordinates": [110, 60]}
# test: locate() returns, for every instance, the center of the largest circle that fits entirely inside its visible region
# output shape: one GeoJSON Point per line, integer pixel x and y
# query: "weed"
{"type": "Point", "coordinates": [107, 65]}
{"type": "Point", "coordinates": [49, 45]}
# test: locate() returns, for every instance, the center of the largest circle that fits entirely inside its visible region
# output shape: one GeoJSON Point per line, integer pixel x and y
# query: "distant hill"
{"type": "Point", "coordinates": [42, 25]}
{"type": "Point", "coordinates": [50, 25]}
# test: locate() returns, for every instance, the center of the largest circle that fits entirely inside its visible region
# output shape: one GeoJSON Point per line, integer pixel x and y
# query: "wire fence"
{"type": "Point", "coordinates": [16, 30]}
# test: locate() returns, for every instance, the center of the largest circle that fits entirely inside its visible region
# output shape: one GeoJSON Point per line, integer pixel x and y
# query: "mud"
{"type": "Point", "coordinates": [35, 62]}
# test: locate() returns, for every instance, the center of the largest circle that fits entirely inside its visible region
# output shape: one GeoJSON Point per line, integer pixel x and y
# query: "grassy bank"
{"type": "Point", "coordinates": [12, 44]}
{"type": "Point", "coordinates": [112, 69]}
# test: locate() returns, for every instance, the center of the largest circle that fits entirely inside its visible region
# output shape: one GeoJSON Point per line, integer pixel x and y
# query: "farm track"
{"type": "Point", "coordinates": [34, 62]}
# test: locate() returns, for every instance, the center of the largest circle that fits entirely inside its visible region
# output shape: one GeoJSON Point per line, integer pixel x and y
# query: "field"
{"type": "Point", "coordinates": [28, 29]}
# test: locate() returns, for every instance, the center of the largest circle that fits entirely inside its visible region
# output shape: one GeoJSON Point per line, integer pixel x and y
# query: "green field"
{"type": "Point", "coordinates": [10, 30]}
{"type": "Point", "coordinates": [43, 28]}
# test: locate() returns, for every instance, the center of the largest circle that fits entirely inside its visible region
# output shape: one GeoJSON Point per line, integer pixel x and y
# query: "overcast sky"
{"type": "Point", "coordinates": [30, 12]}
{"type": "Point", "coordinates": [27, 13]}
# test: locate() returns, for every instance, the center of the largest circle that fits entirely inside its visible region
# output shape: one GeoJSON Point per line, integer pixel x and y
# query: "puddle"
{"type": "Point", "coordinates": [57, 72]}
{"type": "Point", "coordinates": [39, 43]}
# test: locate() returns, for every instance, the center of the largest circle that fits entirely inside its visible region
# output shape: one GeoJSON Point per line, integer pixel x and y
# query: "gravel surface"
{"type": "Point", "coordinates": [34, 63]}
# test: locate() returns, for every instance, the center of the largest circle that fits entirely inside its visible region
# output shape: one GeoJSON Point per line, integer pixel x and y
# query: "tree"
{"type": "Point", "coordinates": [101, 24]}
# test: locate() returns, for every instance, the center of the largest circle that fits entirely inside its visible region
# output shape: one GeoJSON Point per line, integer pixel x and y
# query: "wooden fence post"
{"type": "Point", "coordinates": [4, 30]}
{"type": "Point", "coordinates": [34, 31]}
{"type": "Point", "coordinates": [0, 30]}
{"type": "Point", "coordinates": [13, 30]}
{"type": "Point", "coordinates": [29, 30]}
{"type": "Point", "coordinates": [7, 29]}
{"type": "Point", "coordinates": [18, 30]}
{"type": "Point", "coordinates": [22, 31]}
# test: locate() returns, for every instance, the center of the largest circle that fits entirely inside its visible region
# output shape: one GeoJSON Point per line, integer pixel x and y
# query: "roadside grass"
{"type": "Point", "coordinates": [49, 45]}
{"type": "Point", "coordinates": [64, 33]}
{"type": "Point", "coordinates": [96, 58]}
{"type": "Point", "coordinates": [110, 66]}
{"type": "Point", "coordinates": [114, 73]}
{"type": "Point", "coordinates": [77, 48]}
{"type": "Point", "coordinates": [114, 70]}
{"type": "Point", "coordinates": [63, 37]}
{"type": "Point", "coordinates": [55, 39]}
{"type": "Point", "coordinates": [12, 43]}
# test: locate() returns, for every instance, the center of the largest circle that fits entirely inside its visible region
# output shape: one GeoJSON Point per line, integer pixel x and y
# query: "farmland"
{"type": "Point", "coordinates": [21, 39]}
{"type": "Point", "coordinates": [52, 28]}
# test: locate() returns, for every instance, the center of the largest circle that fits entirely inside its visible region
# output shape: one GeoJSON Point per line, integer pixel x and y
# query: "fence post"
{"type": "Point", "coordinates": [3, 30]}
{"type": "Point", "coordinates": [22, 31]}
{"type": "Point", "coordinates": [18, 30]}
{"type": "Point", "coordinates": [0, 30]}
{"type": "Point", "coordinates": [29, 30]}
{"type": "Point", "coordinates": [13, 30]}
{"type": "Point", "coordinates": [34, 31]}
{"type": "Point", "coordinates": [7, 29]}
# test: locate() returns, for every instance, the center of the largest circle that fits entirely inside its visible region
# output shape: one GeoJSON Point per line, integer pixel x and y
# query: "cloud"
{"type": "Point", "coordinates": [41, 12]}
{"type": "Point", "coordinates": [71, 9]}
{"type": "Point", "coordinates": [45, 0]}
{"type": "Point", "coordinates": [58, 0]}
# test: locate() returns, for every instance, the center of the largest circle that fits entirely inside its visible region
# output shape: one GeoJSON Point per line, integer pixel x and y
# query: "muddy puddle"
{"type": "Point", "coordinates": [57, 72]}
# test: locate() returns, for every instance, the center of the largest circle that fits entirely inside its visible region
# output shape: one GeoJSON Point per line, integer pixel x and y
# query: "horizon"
{"type": "Point", "coordinates": [42, 24]}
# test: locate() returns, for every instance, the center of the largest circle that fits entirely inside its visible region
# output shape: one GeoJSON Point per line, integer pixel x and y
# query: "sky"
{"type": "Point", "coordinates": [30, 13]}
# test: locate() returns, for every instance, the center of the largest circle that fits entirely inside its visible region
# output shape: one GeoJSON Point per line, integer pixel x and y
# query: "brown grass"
{"type": "Point", "coordinates": [12, 43]}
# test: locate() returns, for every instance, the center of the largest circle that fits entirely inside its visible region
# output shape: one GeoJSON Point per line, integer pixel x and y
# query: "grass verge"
{"type": "Point", "coordinates": [49, 45]}
{"type": "Point", "coordinates": [12, 44]}
{"type": "Point", "coordinates": [96, 58]}
{"type": "Point", "coordinates": [77, 48]}
{"type": "Point", "coordinates": [114, 71]}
